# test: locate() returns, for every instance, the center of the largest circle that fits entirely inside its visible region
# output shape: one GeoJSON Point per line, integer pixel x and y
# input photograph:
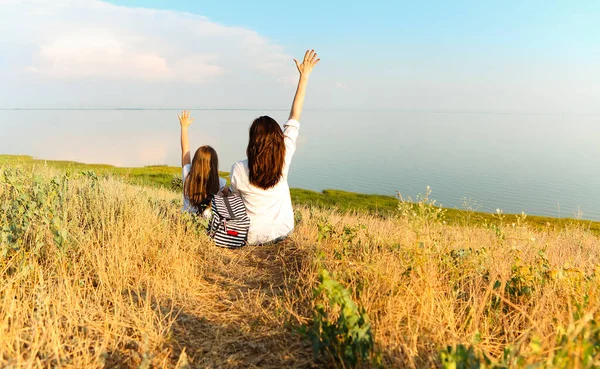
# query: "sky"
{"type": "Point", "coordinates": [497, 56]}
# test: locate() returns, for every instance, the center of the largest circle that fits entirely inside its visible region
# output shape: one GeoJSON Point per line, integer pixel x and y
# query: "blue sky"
{"type": "Point", "coordinates": [494, 27]}
{"type": "Point", "coordinates": [525, 56]}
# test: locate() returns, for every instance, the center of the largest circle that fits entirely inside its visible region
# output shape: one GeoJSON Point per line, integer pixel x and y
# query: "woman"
{"type": "Point", "coordinates": [262, 180]}
{"type": "Point", "coordinates": [201, 175]}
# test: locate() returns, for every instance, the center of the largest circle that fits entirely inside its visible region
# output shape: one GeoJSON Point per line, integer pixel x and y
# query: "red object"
{"type": "Point", "coordinates": [232, 233]}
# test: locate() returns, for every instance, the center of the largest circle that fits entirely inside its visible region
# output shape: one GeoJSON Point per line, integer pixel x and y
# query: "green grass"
{"type": "Point", "coordinates": [346, 201]}
{"type": "Point", "coordinates": [152, 175]}
{"type": "Point", "coordinates": [385, 206]}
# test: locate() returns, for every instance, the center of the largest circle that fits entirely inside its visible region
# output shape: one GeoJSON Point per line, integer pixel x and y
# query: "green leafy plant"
{"type": "Point", "coordinates": [422, 212]}
{"type": "Point", "coordinates": [32, 210]}
{"type": "Point", "coordinates": [527, 277]}
{"type": "Point", "coordinates": [92, 176]}
{"type": "Point", "coordinates": [461, 357]}
{"type": "Point", "coordinates": [579, 343]}
{"type": "Point", "coordinates": [464, 268]}
{"type": "Point", "coordinates": [176, 183]}
{"type": "Point", "coordinates": [326, 231]}
{"type": "Point", "coordinates": [577, 346]}
{"type": "Point", "coordinates": [341, 329]}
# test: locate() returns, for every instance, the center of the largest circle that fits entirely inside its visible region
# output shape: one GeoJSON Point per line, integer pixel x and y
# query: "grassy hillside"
{"type": "Point", "coordinates": [96, 272]}
{"type": "Point", "coordinates": [163, 176]}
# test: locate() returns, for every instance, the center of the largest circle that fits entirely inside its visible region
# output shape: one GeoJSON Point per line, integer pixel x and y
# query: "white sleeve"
{"type": "Point", "coordinates": [222, 182]}
{"type": "Point", "coordinates": [291, 129]}
{"type": "Point", "coordinates": [233, 176]}
{"type": "Point", "coordinates": [185, 171]}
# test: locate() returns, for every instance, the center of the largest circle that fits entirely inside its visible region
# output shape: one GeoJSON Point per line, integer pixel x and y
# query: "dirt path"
{"type": "Point", "coordinates": [240, 324]}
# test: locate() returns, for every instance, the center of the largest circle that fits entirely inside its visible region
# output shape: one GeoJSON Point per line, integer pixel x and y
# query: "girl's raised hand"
{"type": "Point", "coordinates": [184, 118]}
{"type": "Point", "coordinates": [309, 62]}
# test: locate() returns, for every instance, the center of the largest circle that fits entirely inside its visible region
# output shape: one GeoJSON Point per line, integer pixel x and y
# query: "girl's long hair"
{"type": "Point", "coordinates": [203, 180]}
{"type": "Point", "coordinates": [266, 153]}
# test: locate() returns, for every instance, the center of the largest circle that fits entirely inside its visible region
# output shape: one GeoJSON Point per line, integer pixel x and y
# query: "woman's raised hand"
{"type": "Point", "coordinates": [309, 62]}
{"type": "Point", "coordinates": [184, 118]}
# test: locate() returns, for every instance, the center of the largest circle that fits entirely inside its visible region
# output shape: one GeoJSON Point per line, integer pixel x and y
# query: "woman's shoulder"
{"type": "Point", "coordinates": [242, 163]}
{"type": "Point", "coordinates": [239, 175]}
{"type": "Point", "coordinates": [240, 166]}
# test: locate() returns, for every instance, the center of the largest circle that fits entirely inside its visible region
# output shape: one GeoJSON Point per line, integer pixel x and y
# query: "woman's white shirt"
{"type": "Point", "coordinates": [185, 170]}
{"type": "Point", "coordinates": [270, 211]}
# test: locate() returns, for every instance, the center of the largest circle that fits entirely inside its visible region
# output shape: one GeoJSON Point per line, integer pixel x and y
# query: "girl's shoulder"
{"type": "Point", "coordinates": [185, 170]}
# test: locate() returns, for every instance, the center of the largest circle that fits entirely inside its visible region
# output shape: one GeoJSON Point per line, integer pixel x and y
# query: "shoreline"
{"type": "Point", "coordinates": [343, 201]}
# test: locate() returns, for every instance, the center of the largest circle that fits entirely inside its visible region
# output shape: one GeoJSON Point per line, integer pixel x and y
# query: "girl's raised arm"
{"type": "Point", "coordinates": [309, 62]}
{"type": "Point", "coordinates": [185, 121]}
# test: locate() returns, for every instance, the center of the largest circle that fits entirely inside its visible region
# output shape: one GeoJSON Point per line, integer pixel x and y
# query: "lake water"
{"type": "Point", "coordinates": [540, 164]}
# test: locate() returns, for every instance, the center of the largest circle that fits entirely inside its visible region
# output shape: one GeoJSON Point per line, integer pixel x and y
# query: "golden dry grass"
{"type": "Point", "coordinates": [136, 284]}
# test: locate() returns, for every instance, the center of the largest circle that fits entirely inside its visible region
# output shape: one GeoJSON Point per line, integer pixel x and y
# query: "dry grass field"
{"type": "Point", "coordinates": [99, 273]}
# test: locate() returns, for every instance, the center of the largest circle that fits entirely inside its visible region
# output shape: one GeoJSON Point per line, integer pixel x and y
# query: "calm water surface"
{"type": "Point", "coordinates": [540, 164]}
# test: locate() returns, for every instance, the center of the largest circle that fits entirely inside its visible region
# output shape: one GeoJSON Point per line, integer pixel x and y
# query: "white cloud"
{"type": "Point", "coordinates": [93, 40]}
{"type": "Point", "coordinates": [90, 53]}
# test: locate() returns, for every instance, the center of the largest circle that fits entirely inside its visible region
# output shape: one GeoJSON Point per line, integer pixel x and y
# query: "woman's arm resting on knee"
{"type": "Point", "coordinates": [309, 62]}
{"type": "Point", "coordinates": [185, 121]}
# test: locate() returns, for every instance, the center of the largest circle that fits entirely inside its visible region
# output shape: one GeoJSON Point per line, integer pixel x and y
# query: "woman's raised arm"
{"type": "Point", "coordinates": [185, 121]}
{"type": "Point", "coordinates": [305, 68]}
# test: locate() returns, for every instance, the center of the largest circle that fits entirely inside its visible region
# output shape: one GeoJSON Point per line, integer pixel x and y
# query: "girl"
{"type": "Point", "coordinates": [261, 180]}
{"type": "Point", "coordinates": [200, 176]}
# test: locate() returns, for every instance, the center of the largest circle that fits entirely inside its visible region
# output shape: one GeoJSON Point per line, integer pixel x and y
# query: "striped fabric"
{"type": "Point", "coordinates": [229, 223]}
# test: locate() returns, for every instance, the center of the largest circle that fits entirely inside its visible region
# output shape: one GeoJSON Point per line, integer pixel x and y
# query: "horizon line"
{"type": "Point", "coordinates": [438, 111]}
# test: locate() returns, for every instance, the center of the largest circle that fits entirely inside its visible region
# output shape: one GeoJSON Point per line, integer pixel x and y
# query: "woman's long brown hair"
{"type": "Point", "coordinates": [266, 153]}
{"type": "Point", "coordinates": [203, 179]}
